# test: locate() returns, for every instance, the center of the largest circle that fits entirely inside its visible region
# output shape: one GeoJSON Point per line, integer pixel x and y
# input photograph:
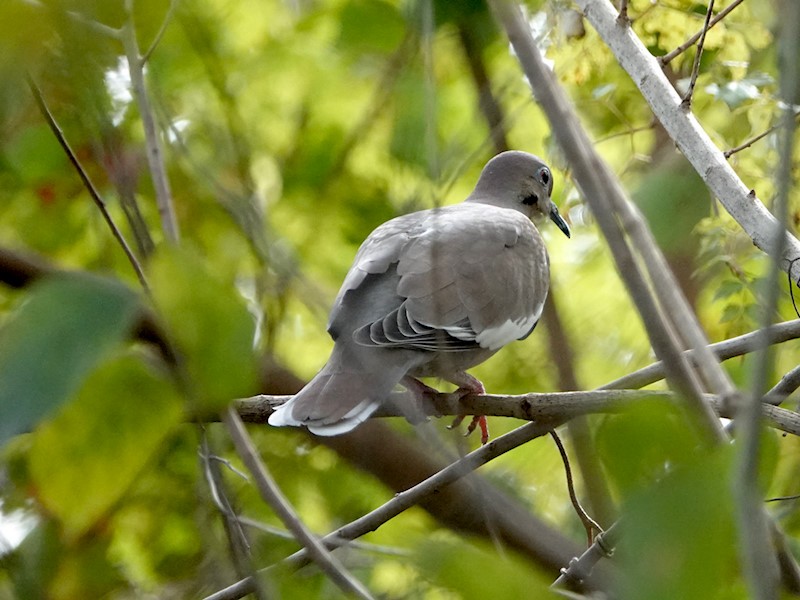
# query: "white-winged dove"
{"type": "Point", "coordinates": [433, 293]}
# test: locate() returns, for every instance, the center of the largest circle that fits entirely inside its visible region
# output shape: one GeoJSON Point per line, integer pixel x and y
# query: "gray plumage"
{"type": "Point", "coordinates": [433, 293]}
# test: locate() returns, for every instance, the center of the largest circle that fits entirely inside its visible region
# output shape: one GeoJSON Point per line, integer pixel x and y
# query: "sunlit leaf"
{"type": "Point", "coordinates": [84, 459]}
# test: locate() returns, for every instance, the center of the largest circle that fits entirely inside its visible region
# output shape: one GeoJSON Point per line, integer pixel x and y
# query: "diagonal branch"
{"type": "Point", "coordinates": [609, 206]}
{"type": "Point", "coordinates": [690, 137]}
{"type": "Point", "coordinates": [686, 102]}
{"type": "Point", "coordinates": [87, 182]}
{"type": "Point", "coordinates": [153, 146]}
{"type": "Point", "coordinates": [670, 56]}
{"type": "Point", "coordinates": [406, 499]}
{"type": "Point", "coordinates": [273, 496]}
{"type": "Point", "coordinates": [173, 4]}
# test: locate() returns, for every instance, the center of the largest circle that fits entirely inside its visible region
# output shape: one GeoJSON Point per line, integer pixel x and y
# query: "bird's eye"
{"type": "Point", "coordinates": [544, 175]}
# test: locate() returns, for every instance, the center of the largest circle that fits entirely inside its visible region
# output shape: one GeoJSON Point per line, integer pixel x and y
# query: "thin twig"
{"type": "Point", "coordinates": [173, 4]}
{"type": "Point", "coordinates": [87, 182]}
{"type": "Point", "coordinates": [591, 526]}
{"type": "Point", "coordinates": [288, 535]}
{"type": "Point", "coordinates": [95, 26]}
{"type": "Point", "coordinates": [238, 542]}
{"type": "Point", "coordinates": [274, 497]}
{"type": "Point", "coordinates": [406, 499]}
{"type": "Point", "coordinates": [746, 144]}
{"type": "Point", "coordinates": [153, 148]}
{"type": "Point", "coordinates": [754, 139]}
{"type": "Point", "coordinates": [782, 498]}
{"type": "Point", "coordinates": [731, 348]}
{"type": "Point", "coordinates": [580, 568]}
{"type": "Point", "coordinates": [667, 58]}
{"type": "Point", "coordinates": [220, 499]}
{"type": "Point", "coordinates": [686, 103]}
{"type": "Point", "coordinates": [623, 18]}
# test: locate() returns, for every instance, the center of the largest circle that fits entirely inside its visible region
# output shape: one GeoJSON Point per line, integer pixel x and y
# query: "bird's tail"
{"type": "Point", "coordinates": [340, 397]}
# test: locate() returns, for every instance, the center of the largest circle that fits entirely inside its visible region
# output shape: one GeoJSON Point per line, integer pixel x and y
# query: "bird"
{"type": "Point", "coordinates": [433, 293]}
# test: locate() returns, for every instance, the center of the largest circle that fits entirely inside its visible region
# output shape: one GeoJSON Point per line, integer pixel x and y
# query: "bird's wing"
{"type": "Point", "coordinates": [467, 276]}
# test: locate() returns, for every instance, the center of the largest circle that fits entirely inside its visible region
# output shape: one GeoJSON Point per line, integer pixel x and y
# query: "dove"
{"type": "Point", "coordinates": [432, 294]}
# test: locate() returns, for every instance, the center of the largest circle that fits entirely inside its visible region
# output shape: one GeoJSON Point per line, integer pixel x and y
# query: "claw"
{"type": "Point", "coordinates": [477, 420]}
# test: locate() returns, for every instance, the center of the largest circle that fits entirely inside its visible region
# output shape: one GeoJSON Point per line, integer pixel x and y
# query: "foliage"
{"type": "Point", "coordinates": [289, 130]}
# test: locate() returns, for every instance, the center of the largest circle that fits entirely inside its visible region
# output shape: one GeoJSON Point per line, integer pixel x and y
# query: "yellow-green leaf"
{"type": "Point", "coordinates": [209, 323]}
{"type": "Point", "coordinates": [83, 460]}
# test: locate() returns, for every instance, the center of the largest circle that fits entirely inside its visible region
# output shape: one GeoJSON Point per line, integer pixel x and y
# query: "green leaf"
{"type": "Point", "coordinates": [474, 573]}
{"type": "Point", "coordinates": [636, 446]}
{"type": "Point", "coordinates": [209, 323]}
{"type": "Point", "coordinates": [65, 326]}
{"type": "Point", "coordinates": [728, 288]}
{"type": "Point", "coordinates": [678, 539]}
{"type": "Point", "coordinates": [83, 460]}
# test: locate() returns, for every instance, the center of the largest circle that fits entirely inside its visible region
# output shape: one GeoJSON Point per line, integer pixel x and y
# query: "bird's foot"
{"type": "Point", "coordinates": [423, 394]}
{"type": "Point", "coordinates": [477, 420]}
{"type": "Point", "coordinates": [467, 386]}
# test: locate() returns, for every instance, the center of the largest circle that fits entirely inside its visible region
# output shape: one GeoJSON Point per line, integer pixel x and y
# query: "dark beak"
{"type": "Point", "coordinates": [559, 220]}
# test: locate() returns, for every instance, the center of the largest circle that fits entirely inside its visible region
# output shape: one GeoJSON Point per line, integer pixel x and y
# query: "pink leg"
{"type": "Point", "coordinates": [469, 385]}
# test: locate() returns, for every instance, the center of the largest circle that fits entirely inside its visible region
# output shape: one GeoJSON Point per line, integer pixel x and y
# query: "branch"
{"type": "Point", "coordinates": [153, 149]}
{"type": "Point", "coordinates": [274, 498]}
{"type": "Point", "coordinates": [87, 182]}
{"type": "Point", "coordinates": [173, 4]}
{"type": "Point", "coordinates": [688, 134]}
{"type": "Point", "coordinates": [603, 193]}
{"type": "Point", "coordinates": [686, 102]}
{"type": "Point", "coordinates": [667, 58]}
{"type": "Point", "coordinates": [536, 407]}
{"type": "Point", "coordinates": [738, 346]}
{"type": "Point", "coordinates": [580, 568]}
{"type": "Point", "coordinates": [406, 499]}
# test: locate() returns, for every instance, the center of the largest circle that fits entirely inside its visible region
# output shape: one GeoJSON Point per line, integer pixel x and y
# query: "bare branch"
{"type": "Point", "coordinates": [788, 384]}
{"type": "Point", "coordinates": [87, 182]}
{"type": "Point", "coordinates": [406, 499]}
{"type": "Point", "coordinates": [688, 134]}
{"type": "Point", "coordinates": [738, 346]}
{"type": "Point", "coordinates": [288, 535]}
{"type": "Point", "coordinates": [551, 406]}
{"type": "Point", "coordinates": [686, 102]}
{"type": "Point", "coordinates": [173, 4]}
{"type": "Point", "coordinates": [580, 568]}
{"type": "Point", "coordinates": [667, 58]}
{"type": "Point", "coordinates": [603, 193]}
{"type": "Point", "coordinates": [153, 148]}
{"type": "Point", "coordinates": [275, 498]}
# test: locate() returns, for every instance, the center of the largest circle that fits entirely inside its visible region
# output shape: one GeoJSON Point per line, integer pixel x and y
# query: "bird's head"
{"type": "Point", "coordinates": [520, 181]}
